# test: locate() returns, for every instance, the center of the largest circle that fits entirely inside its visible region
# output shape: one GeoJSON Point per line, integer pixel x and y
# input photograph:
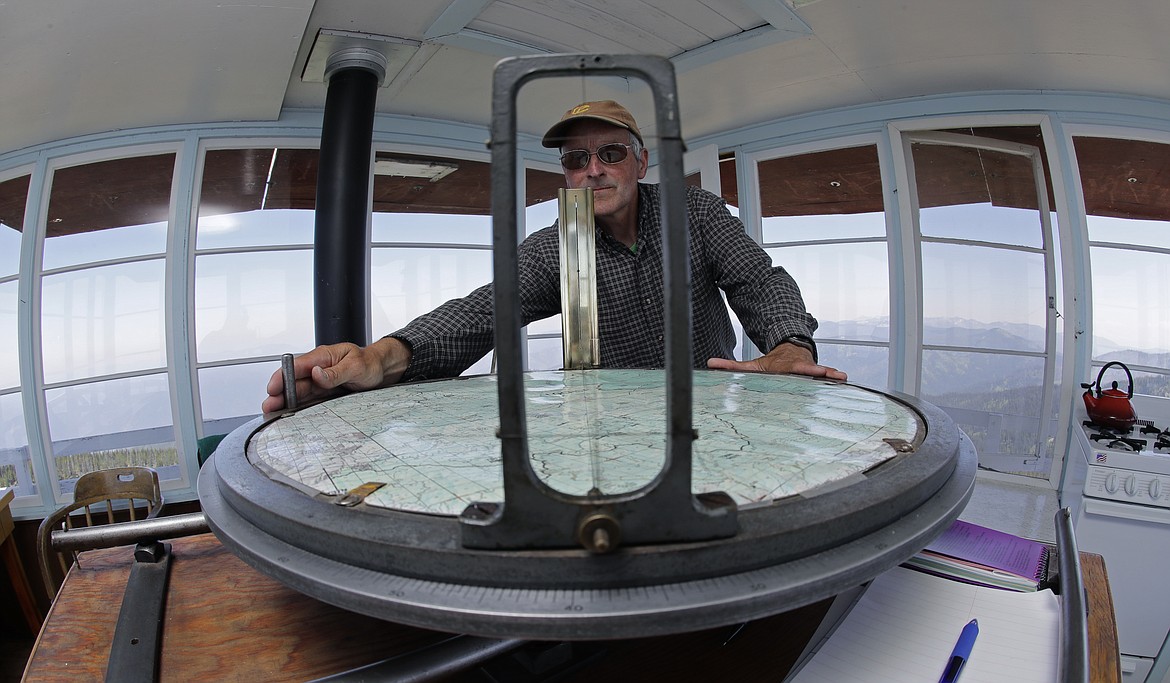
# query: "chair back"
{"type": "Point", "coordinates": [132, 492]}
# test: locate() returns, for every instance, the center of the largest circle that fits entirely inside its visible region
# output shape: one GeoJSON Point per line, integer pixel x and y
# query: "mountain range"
{"type": "Point", "coordinates": [962, 374]}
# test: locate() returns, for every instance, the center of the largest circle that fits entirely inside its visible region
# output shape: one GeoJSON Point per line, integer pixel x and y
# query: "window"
{"type": "Point", "coordinates": [1126, 185]}
{"type": "Point", "coordinates": [253, 275]}
{"type": "Point", "coordinates": [988, 292]}
{"type": "Point", "coordinates": [431, 241]}
{"type": "Point", "coordinates": [15, 465]}
{"type": "Point", "coordinates": [432, 234]}
{"type": "Point", "coordinates": [102, 317]}
{"type": "Point", "coordinates": [823, 220]}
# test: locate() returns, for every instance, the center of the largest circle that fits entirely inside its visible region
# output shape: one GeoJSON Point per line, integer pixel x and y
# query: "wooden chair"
{"type": "Point", "coordinates": [93, 503]}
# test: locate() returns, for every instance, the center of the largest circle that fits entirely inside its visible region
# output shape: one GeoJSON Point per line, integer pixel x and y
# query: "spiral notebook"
{"type": "Point", "coordinates": [986, 557]}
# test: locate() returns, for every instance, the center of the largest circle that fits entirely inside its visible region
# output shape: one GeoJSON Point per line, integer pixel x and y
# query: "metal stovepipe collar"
{"type": "Point", "coordinates": [357, 57]}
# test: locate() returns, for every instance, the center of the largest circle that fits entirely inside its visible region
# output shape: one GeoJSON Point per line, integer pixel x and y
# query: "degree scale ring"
{"type": "Point", "coordinates": [834, 484]}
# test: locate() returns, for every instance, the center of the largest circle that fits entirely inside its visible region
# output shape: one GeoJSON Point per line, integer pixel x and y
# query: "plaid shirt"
{"type": "Point", "coordinates": [448, 340]}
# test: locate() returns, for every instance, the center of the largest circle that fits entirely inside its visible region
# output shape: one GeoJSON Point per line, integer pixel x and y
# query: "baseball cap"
{"type": "Point", "coordinates": [602, 110]}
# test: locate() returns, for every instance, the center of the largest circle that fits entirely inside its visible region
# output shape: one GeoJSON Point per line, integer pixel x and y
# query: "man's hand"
{"type": "Point", "coordinates": [782, 359]}
{"type": "Point", "coordinates": [327, 370]}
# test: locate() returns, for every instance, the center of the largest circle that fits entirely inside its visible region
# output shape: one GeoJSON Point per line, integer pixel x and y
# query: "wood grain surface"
{"type": "Point", "coordinates": [228, 622]}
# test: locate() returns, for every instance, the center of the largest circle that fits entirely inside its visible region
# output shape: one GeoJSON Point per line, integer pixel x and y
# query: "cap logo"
{"type": "Point", "coordinates": [579, 109]}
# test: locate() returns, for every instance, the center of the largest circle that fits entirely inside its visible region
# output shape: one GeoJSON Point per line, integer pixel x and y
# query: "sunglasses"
{"type": "Point", "coordinates": [612, 153]}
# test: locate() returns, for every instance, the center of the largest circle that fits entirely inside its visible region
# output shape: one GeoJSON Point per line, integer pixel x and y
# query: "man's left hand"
{"type": "Point", "coordinates": [785, 358]}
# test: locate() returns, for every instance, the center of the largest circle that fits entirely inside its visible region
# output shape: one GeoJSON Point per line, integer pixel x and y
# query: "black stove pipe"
{"type": "Point", "coordinates": [341, 231]}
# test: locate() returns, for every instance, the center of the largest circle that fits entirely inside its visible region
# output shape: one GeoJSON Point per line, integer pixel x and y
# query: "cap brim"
{"type": "Point", "coordinates": [559, 132]}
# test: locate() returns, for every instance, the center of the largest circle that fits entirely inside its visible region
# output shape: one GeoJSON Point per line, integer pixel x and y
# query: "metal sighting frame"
{"type": "Point", "coordinates": [533, 514]}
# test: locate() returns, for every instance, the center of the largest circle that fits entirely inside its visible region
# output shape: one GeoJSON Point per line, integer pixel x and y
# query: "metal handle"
{"type": "Point", "coordinates": [1135, 513]}
{"type": "Point", "coordinates": [1074, 632]}
{"type": "Point", "coordinates": [290, 381]}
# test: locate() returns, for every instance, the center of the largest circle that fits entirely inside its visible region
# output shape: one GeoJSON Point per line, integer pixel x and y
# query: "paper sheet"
{"type": "Point", "coordinates": [904, 627]}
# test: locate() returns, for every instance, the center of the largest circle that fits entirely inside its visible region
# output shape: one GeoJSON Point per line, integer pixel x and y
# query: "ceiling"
{"type": "Point", "coordinates": [76, 68]}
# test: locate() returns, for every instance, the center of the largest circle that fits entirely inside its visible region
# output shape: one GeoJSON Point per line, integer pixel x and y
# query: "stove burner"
{"type": "Point", "coordinates": [1119, 444]}
{"type": "Point", "coordinates": [1106, 431]}
{"type": "Point", "coordinates": [1143, 437]}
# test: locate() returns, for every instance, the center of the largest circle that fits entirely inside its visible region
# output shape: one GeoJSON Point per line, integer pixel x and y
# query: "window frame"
{"type": "Point", "coordinates": [751, 214]}
{"type": "Point", "coordinates": [1083, 256]}
{"type": "Point", "coordinates": [36, 215]}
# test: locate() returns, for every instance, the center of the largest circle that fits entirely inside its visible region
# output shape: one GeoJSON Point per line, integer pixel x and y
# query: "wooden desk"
{"type": "Point", "coordinates": [226, 621]}
{"type": "Point", "coordinates": [20, 585]}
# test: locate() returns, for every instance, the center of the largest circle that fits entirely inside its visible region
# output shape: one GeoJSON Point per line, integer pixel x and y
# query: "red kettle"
{"type": "Point", "coordinates": [1110, 407]}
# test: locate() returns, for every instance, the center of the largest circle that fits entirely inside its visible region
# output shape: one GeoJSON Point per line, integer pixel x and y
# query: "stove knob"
{"type": "Point", "coordinates": [1155, 488]}
{"type": "Point", "coordinates": [1131, 485]}
{"type": "Point", "coordinates": [1111, 483]}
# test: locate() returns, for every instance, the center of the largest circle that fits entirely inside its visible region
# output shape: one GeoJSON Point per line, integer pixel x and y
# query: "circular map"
{"type": "Point", "coordinates": [760, 437]}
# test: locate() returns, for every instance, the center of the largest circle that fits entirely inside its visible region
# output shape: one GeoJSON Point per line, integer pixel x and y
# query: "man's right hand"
{"type": "Point", "coordinates": [328, 370]}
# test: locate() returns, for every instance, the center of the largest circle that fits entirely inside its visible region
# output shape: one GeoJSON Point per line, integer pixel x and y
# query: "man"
{"type": "Point", "coordinates": [603, 149]}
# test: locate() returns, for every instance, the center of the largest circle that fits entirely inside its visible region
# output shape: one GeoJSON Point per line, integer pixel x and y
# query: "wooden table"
{"type": "Point", "coordinates": [225, 622]}
{"type": "Point", "coordinates": [20, 585]}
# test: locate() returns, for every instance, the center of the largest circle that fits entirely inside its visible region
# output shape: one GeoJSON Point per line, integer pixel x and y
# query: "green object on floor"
{"type": "Point", "coordinates": [207, 446]}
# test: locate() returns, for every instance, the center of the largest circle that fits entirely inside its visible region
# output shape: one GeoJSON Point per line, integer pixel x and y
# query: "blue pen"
{"type": "Point", "coordinates": [961, 653]}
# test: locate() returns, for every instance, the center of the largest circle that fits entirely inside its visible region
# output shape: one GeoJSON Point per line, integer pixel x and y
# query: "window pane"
{"type": "Point", "coordinates": [231, 392]}
{"type": "Point", "coordinates": [109, 209]}
{"type": "Point", "coordinates": [825, 227]}
{"type": "Point", "coordinates": [105, 320]}
{"type": "Point", "coordinates": [1129, 231]}
{"type": "Point", "coordinates": [996, 400]}
{"type": "Point", "coordinates": [482, 366]}
{"type": "Point", "coordinates": [830, 195]}
{"type": "Point", "coordinates": [546, 353]}
{"type": "Point", "coordinates": [15, 466]}
{"type": "Point", "coordinates": [257, 197]}
{"type": "Point", "coordinates": [983, 223]}
{"type": "Point", "coordinates": [253, 304]}
{"type": "Point", "coordinates": [1131, 306]}
{"type": "Point", "coordinates": [9, 359]}
{"type": "Point", "coordinates": [539, 216]}
{"type": "Point", "coordinates": [846, 287]}
{"type": "Point", "coordinates": [111, 243]}
{"type": "Point", "coordinates": [985, 195]}
{"type": "Point", "coordinates": [409, 282]}
{"type": "Point", "coordinates": [1146, 383]}
{"type": "Point", "coordinates": [1126, 186]}
{"type": "Point", "coordinates": [550, 325]}
{"type": "Point", "coordinates": [255, 229]}
{"type": "Point", "coordinates": [983, 297]}
{"type": "Point", "coordinates": [13, 194]}
{"type": "Point", "coordinates": [112, 424]}
{"type": "Point", "coordinates": [432, 228]}
{"type": "Point", "coordinates": [868, 366]}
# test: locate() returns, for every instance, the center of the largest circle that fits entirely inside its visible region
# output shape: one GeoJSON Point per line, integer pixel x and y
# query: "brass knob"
{"type": "Point", "coordinates": [599, 533]}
